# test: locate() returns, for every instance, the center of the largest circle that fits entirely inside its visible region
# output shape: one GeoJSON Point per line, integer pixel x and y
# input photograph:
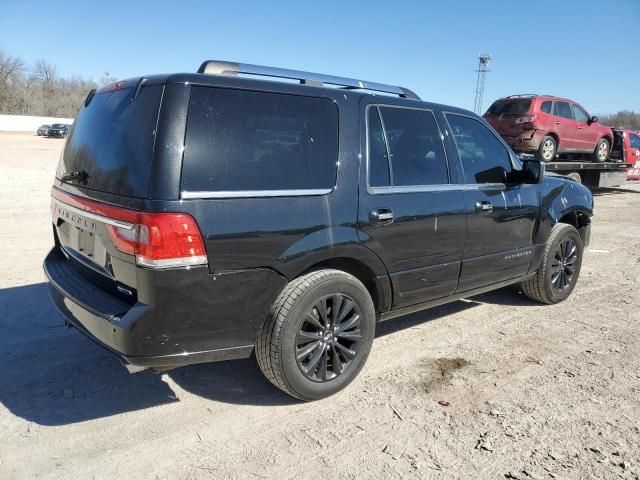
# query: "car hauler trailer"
{"type": "Point", "coordinates": [592, 174]}
{"type": "Point", "coordinates": [612, 173]}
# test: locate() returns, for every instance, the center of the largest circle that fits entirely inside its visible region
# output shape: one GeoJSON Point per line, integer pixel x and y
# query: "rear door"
{"type": "Point", "coordinates": [500, 216]}
{"type": "Point", "coordinates": [566, 127]}
{"type": "Point", "coordinates": [410, 215]}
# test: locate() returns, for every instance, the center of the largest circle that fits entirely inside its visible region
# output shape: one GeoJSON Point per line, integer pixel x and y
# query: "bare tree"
{"type": "Point", "coordinates": [623, 119]}
{"type": "Point", "coordinates": [11, 68]}
{"type": "Point", "coordinates": [44, 72]}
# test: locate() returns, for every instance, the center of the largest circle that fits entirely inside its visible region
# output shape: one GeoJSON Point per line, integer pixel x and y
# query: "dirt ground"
{"type": "Point", "coordinates": [492, 387]}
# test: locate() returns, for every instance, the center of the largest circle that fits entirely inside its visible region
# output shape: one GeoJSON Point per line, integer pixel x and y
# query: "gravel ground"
{"type": "Point", "coordinates": [492, 387]}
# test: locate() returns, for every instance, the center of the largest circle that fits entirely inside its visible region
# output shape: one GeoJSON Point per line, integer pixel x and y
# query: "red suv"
{"type": "Point", "coordinates": [547, 125]}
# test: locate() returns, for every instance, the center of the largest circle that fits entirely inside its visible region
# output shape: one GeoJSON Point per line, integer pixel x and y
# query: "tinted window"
{"type": "Point", "coordinates": [484, 158]}
{"type": "Point", "coordinates": [112, 140]}
{"type": "Point", "coordinates": [510, 107]}
{"type": "Point", "coordinates": [416, 150]}
{"type": "Point", "coordinates": [546, 106]}
{"type": "Point", "coordinates": [635, 140]}
{"type": "Point", "coordinates": [243, 140]}
{"type": "Point", "coordinates": [564, 110]}
{"type": "Point", "coordinates": [579, 114]}
{"type": "Point", "coordinates": [378, 159]}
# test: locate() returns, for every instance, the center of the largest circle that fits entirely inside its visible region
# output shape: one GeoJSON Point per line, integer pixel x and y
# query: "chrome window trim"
{"type": "Point", "coordinates": [94, 216]}
{"type": "Point", "coordinates": [450, 187]}
{"type": "Point", "coordinates": [187, 195]}
{"type": "Point", "coordinates": [403, 188]}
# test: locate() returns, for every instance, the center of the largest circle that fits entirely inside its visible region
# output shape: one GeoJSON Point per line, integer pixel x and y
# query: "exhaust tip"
{"type": "Point", "coordinates": [133, 368]}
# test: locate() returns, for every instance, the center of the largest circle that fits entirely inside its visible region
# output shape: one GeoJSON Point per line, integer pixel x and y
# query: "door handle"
{"type": "Point", "coordinates": [580, 127]}
{"type": "Point", "coordinates": [484, 207]}
{"type": "Point", "coordinates": [381, 216]}
{"type": "Point", "coordinates": [556, 122]}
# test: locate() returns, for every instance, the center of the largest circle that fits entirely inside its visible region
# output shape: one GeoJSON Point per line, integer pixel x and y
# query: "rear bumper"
{"type": "Point", "coordinates": [527, 141]}
{"type": "Point", "coordinates": [194, 319]}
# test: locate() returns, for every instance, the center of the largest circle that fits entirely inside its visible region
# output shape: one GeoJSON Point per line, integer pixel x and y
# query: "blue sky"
{"type": "Point", "coordinates": [584, 49]}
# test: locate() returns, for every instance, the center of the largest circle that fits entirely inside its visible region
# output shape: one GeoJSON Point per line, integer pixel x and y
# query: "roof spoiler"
{"type": "Point", "coordinates": [216, 67]}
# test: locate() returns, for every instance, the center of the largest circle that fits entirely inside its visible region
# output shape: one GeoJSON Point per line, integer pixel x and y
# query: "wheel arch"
{"type": "Point", "coordinates": [378, 286]}
{"type": "Point", "coordinates": [608, 138]}
{"type": "Point", "coordinates": [580, 219]}
{"type": "Point", "coordinates": [555, 137]}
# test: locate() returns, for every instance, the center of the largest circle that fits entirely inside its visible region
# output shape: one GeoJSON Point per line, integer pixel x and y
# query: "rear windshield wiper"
{"type": "Point", "coordinates": [74, 175]}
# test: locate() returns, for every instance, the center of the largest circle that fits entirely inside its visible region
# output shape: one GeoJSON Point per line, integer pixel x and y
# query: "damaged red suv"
{"type": "Point", "coordinates": [546, 126]}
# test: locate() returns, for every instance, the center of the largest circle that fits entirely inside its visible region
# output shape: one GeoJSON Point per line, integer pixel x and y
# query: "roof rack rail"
{"type": "Point", "coordinates": [215, 67]}
{"type": "Point", "coordinates": [524, 95]}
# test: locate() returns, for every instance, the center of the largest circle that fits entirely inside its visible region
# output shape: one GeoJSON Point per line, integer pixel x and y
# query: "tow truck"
{"type": "Point", "coordinates": [612, 173]}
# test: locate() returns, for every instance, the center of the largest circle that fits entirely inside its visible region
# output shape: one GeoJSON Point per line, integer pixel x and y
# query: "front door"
{"type": "Point", "coordinates": [566, 127]}
{"type": "Point", "coordinates": [410, 215]}
{"type": "Point", "coordinates": [587, 134]}
{"type": "Point", "coordinates": [500, 216]}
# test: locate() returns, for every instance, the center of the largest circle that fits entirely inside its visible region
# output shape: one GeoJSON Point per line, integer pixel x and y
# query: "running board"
{"type": "Point", "coordinates": [452, 298]}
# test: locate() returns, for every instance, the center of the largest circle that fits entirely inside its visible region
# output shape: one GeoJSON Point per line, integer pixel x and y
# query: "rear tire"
{"type": "Point", "coordinates": [557, 276]}
{"type": "Point", "coordinates": [575, 176]}
{"type": "Point", "coordinates": [601, 153]}
{"type": "Point", "coordinates": [317, 335]}
{"type": "Point", "coordinates": [547, 150]}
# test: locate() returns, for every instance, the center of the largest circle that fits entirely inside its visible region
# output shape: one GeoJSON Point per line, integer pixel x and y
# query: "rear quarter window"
{"type": "Point", "coordinates": [240, 140]}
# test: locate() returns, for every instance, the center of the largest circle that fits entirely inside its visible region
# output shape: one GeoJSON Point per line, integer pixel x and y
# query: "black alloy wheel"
{"type": "Point", "coordinates": [329, 338]}
{"type": "Point", "coordinates": [563, 264]}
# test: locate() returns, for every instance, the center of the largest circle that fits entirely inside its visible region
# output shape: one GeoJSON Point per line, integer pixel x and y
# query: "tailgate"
{"type": "Point", "coordinates": [505, 124]}
{"type": "Point", "coordinates": [85, 237]}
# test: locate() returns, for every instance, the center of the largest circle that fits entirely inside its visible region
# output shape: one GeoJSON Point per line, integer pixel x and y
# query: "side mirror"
{"type": "Point", "coordinates": [532, 171]}
{"type": "Point", "coordinates": [593, 119]}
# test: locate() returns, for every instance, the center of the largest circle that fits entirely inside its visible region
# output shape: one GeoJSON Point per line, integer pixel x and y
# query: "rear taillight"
{"type": "Point", "coordinates": [158, 240]}
{"type": "Point", "coordinates": [525, 119]}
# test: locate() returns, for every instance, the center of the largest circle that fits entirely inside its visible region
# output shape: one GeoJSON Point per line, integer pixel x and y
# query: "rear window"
{"type": "Point", "coordinates": [112, 141]}
{"type": "Point", "coordinates": [510, 107]}
{"type": "Point", "coordinates": [246, 141]}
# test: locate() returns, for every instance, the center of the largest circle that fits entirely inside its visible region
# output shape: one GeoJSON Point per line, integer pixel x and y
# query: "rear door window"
{"type": "Point", "coordinates": [112, 140]}
{"type": "Point", "coordinates": [240, 140]}
{"type": "Point", "coordinates": [564, 110]}
{"type": "Point", "coordinates": [415, 147]}
{"type": "Point", "coordinates": [635, 140]}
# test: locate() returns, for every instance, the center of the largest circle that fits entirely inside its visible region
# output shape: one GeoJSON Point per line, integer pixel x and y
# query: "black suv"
{"type": "Point", "coordinates": [58, 130]}
{"type": "Point", "coordinates": [201, 217]}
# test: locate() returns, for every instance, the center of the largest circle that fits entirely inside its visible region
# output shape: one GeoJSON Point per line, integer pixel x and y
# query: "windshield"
{"type": "Point", "coordinates": [510, 107]}
{"type": "Point", "coordinates": [112, 141]}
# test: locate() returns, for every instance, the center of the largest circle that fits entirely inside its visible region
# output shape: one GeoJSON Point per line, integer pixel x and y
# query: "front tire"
{"type": "Point", "coordinates": [601, 153]}
{"type": "Point", "coordinates": [547, 150]}
{"type": "Point", "coordinates": [557, 276]}
{"type": "Point", "coordinates": [317, 335]}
